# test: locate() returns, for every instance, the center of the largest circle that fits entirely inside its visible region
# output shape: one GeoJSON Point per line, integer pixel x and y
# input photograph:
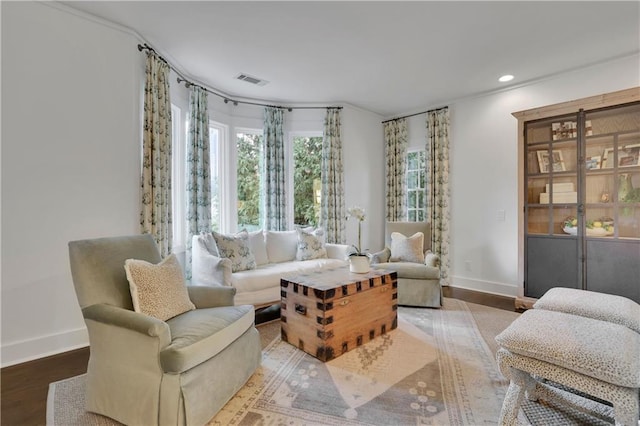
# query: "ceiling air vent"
{"type": "Point", "coordinates": [251, 79]}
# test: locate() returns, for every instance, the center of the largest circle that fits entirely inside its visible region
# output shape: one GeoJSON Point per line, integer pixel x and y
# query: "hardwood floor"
{"type": "Point", "coordinates": [25, 386]}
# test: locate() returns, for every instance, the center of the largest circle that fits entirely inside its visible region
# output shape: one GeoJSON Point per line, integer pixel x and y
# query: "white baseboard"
{"type": "Point", "coordinates": [40, 347]}
{"type": "Point", "coordinates": [500, 289]}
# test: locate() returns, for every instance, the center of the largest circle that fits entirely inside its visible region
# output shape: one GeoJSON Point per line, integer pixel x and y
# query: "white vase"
{"type": "Point", "coordinates": [359, 264]}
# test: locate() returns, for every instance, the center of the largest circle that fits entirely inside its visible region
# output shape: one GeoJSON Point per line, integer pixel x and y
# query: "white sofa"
{"type": "Point", "coordinates": [275, 257]}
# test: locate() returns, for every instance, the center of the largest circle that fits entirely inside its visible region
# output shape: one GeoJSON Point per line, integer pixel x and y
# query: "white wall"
{"type": "Point", "coordinates": [71, 115]}
{"type": "Point", "coordinates": [484, 170]}
{"type": "Point", "coordinates": [71, 93]}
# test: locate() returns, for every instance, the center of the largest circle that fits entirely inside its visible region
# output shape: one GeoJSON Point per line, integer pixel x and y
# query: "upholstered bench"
{"type": "Point", "coordinates": [590, 304]}
{"type": "Point", "coordinates": [598, 358]}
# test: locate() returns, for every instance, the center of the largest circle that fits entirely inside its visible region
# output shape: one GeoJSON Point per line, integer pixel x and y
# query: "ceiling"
{"type": "Point", "coordinates": [386, 57]}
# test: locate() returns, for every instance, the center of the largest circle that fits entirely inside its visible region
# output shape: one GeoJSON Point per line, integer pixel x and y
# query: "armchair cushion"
{"type": "Point", "coordinates": [158, 290]}
{"type": "Point", "coordinates": [198, 335]}
{"type": "Point", "coordinates": [211, 297]}
{"type": "Point", "coordinates": [236, 248]}
{"type": "Point", "coordinates": [411, 270]}
{"type": "Point", "coordinates": [407, 249]}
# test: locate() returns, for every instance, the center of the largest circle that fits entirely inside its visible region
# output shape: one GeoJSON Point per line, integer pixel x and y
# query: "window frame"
{"type": "Point", "coordinates": [422, 208]}
{"type": "Point", "coordinates": [231, 209]}
{"type": "Point", "coordinates": [222, 166]}
{"type": "Point", "coordinates": [178, 194]}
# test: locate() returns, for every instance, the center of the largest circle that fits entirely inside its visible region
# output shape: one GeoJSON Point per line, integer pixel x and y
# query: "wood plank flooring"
{"type": "Point", "coordinates": [25, 386]}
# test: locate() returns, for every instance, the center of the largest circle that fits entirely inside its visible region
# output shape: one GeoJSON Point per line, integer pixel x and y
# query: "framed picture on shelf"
{"type": "Point", "coordinates": [593, 162]}
{"type": "Point", "coordinates": [629, 156]}
{"type": "Point", "coordinates": [558, 161]}
{"type": "Point", "coordinates": [607, 158]}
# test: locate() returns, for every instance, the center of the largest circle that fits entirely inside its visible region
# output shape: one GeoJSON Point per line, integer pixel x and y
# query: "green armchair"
{"type": "Point", "coordinates": [418, 283]}
{"type": "Point", "coordinates": [144, 371]}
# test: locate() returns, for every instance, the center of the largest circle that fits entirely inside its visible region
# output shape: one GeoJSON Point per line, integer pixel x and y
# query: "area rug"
{"type": "Point", "coordinates": [435, 368]}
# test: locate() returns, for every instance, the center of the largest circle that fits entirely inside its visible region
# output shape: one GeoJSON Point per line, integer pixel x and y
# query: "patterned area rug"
{"type": "Point", "coordinates": [435, 368]}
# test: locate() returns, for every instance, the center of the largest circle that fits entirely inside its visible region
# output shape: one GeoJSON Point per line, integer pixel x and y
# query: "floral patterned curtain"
{"type": "Point", "coordinates": [198, 178]}
{"type": "Point", "coordinates": [332, 210]}
{"type": "Point", "coordinates": [155, 213]}
{"type": "Point", "coordinates": [438, 194]}
{"type": "Point", "coordinates": [274, 194]}
{"type": "Point", "coordinates": [395, 136]}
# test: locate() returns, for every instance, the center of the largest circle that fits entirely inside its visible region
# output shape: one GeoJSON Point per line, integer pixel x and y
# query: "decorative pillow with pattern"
{"type": "Point", "coordinates": [236, 249]}
{"type": "Point", "coordinates": [405, 249]}
{"type": "Point", "coordinates": [158, 290]}
{"type": "Point", "coordinates": [310, 245]}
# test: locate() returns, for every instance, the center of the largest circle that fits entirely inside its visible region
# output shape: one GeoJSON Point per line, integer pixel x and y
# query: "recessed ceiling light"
{"type": "Point", "coordinates": [505, 78]}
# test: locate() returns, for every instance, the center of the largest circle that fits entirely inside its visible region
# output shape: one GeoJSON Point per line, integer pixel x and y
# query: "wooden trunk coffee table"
{"type": "Point", "coordinates": [330, 312]}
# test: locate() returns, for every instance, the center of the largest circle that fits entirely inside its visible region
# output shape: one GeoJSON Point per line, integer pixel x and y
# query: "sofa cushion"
{"type": "Point", "coordinates": [595, 348]}
{"type": "Point", "coordinates": [407, 249]}
{"type": "Point", "coordinates": [258, 247]}
{"type": "Point", "coordinates": [282, 246]}
{"type": "Point", "coordinates": [410, 270]}
{"type": "Point", "coordinates": [198, 335]}
{"type": "Point", "coordinates": [268, 276]}
{"type": "Point", "coordinates": [158, 290]}
{"type": "Point", "coordinates": [310, 245]}
{"type": "Point", "coordinates": [236, 249]}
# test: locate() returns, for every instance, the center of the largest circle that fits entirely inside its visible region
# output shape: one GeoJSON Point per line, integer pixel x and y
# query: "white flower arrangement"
{"type": "Point", "coordinates": [359, 214]}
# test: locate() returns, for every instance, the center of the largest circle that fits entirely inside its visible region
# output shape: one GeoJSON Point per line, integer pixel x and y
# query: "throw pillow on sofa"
{"type": "Point", "coordinates": [158, 290]}
{"type": "Point", "coordinates": [310, 245]}
{"type": "Point", "coordinates": [282, 246]}
{"type": "Point", "coordinates": [407, 249]}
{"type": "Point", "coordinates": [236, 249]}
{"type": "Point", "coordinates": [258, 247]}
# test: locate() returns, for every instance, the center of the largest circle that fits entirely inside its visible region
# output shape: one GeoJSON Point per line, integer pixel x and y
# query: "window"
{"type": "Point", "coordinates": [416, 186]}
{"type": "Point", "coordinates": [307, 159]}
{"type": "Point", "coordinates": [178, 203]}
{"type": "Point", "coordinates": [249, 170]}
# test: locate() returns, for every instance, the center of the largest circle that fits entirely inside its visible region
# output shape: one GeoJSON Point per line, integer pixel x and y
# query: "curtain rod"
{"type": "Point", "coordinates": [187, 83]}
{"type": "Point", "coordinates": [417, 113]}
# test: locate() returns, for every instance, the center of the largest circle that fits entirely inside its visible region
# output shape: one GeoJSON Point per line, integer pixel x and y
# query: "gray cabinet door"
{"type": "Point", "coordinates": [551, 262]}
{"type": "Point", "coordinates": [614, 267]}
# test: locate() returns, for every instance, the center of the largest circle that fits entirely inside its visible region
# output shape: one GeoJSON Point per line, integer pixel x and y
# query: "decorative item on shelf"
{"type": "Point", "coordinates": [566, 130]}
{"type": "Point", "coordinates": [605, 197]}
{"type": "Point", "coordinates": [602, 227]}
{"type": "Point", "coordinates": [558, 161]}
{"type": "Point", "coordinates": [358, 259]}
{"type": "Point", "coordinates": [593, 162]}
{"type": "Point", "coordinates": [629, 156]}
{"type": "Point", "coordinates": [626, 192]}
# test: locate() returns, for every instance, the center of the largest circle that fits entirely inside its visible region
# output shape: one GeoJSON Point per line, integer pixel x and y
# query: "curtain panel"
{"type": "Point", "coordinates": [332, 207]}
{"type": "Point", "coordinates": [438, 194]}
{"type": "Point", "coordinates": [198, 179]}
{"type": "Point", "coordinates": [396, 141]}
{"type": "Point", "coordinates": [155, 214]}
{"type": "Point", "coordinates": [274, 171]}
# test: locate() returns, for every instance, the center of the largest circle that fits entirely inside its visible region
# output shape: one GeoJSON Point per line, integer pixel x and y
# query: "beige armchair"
{"type": "Point", "coordinates": [418, 283]}
{"type": "Point", "coordinates": [144, 371]}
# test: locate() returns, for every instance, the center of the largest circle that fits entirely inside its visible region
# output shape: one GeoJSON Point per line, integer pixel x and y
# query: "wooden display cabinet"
{"type": "Point", "coordinates": [579, 201]}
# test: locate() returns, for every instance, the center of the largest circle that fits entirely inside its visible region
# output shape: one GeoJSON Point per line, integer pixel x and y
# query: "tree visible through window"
{"type": "Point", "coordinates": [307, 158]}
{"type": "Point", "coordinates": [249, 148]}
{"type": "Point", "coordinates": [416, 187]}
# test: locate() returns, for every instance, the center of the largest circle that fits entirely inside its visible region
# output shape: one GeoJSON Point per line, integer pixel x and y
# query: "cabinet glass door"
{"type": "Point", "coordinates": [612, 201]}
{"type": "Point", "coordinates": [551, 205]}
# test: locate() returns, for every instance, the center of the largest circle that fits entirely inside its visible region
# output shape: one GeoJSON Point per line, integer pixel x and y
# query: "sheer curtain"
{"type": "Point", "coordinates": [395, 136]}
{"type": "Point", "coordinates": [155, 213]}
{"type": "Point", "coordinates": [332, 210]}
{"type": "Point", "coordinates": [438, 194]}
{"type": "Point", "coordinates": [198, 179]}
{"type": "Point", "coordinates": [274, 170]}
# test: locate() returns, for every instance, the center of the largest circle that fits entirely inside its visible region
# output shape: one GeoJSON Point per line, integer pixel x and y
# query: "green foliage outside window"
{"type": "Point", "coordinates": [307, 158]}
{"type": "Point", "coordinates": [249, 182]}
